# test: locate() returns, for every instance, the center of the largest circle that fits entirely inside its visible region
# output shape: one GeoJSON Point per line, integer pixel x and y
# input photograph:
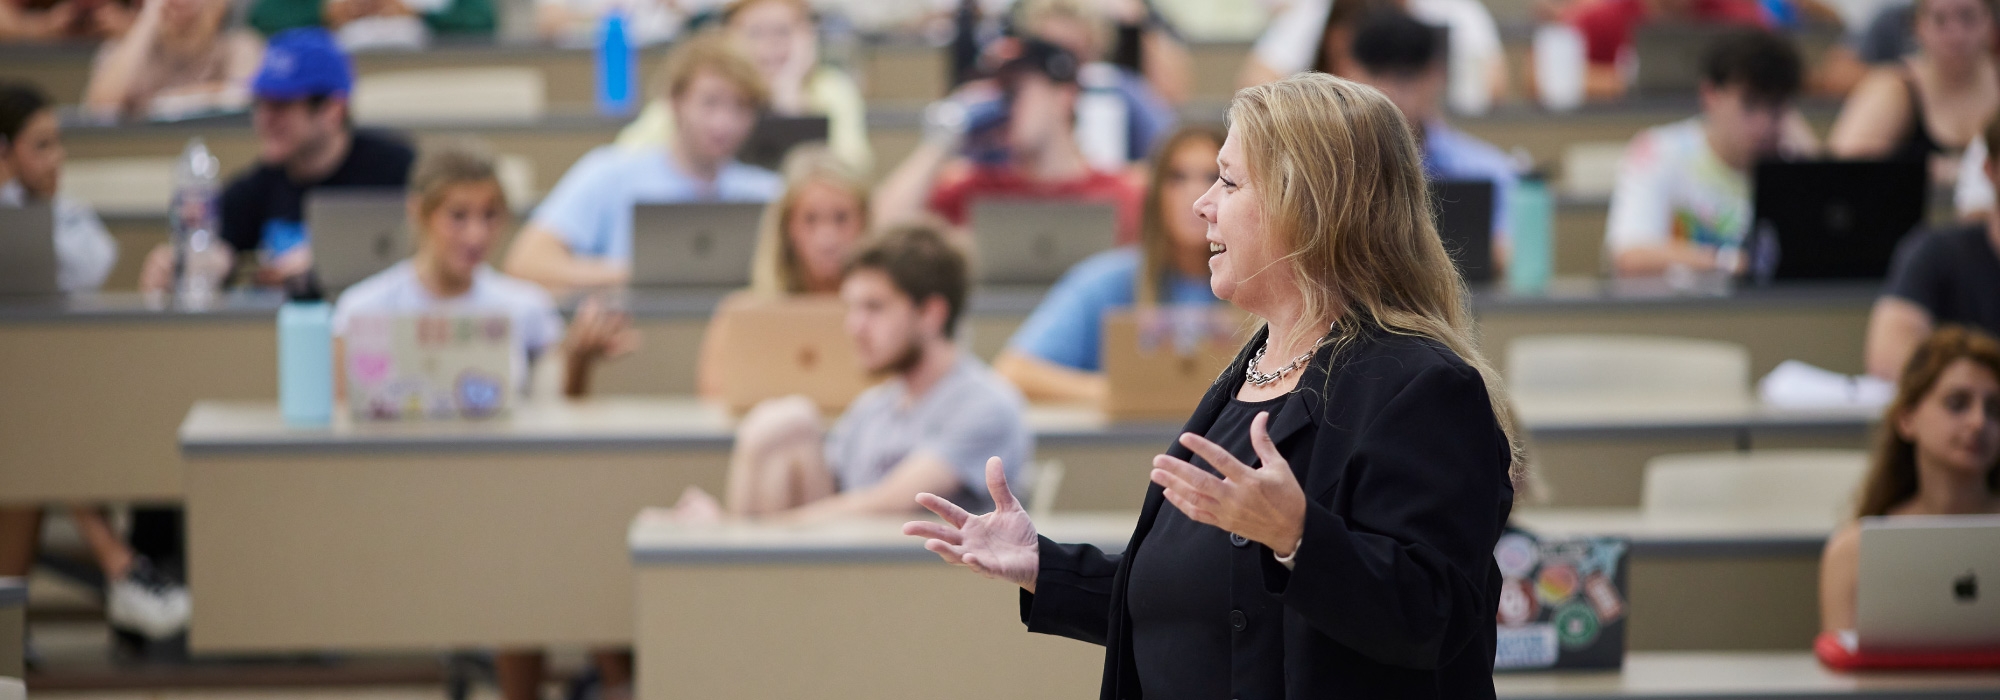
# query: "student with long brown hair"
{"type": "Point", "coordinates": [1938, 453]}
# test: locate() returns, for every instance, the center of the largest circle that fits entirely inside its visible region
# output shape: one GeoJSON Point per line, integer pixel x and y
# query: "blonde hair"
{"type": "Point", "coordinates": [711, 51]}
{"type": "Point", "coordinates": [1341, 183]}
{"type": "Point", "coordinates": [1156, 240]}
{"type": "Point", "coordinates": [1032, 12]}
{"type": "Point", "coordinates": [458, 161]}
{"type": "Point", "coordinates": [776, 270]}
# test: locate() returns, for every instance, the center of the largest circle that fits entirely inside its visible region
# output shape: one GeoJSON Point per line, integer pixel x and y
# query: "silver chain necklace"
{"type": "Point", "coordinates": [1260, 380]}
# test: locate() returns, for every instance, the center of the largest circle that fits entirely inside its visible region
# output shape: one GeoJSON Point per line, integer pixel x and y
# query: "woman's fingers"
{"type": "Point", "coordinates": [1260, 440]}
{"type": "Point", "coordinates": [1225, 463]}
{"type": "Point", "coordinates": [1193, 511]}
{"type": "Point", "coordinates": [935, 531]}
{"type": "Point", "coordinates": [996, 485]}
{"type": "Point", "coordinates": [1193, 476]}
{"type": "Point", "coordinates": [952, 554]}
{"type": "Point", "coordinates": [945, 509]}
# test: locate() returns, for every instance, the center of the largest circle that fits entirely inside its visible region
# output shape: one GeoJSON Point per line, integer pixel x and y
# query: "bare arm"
{"type": "Point", "coordinates": [921, 472]}
{"type": "Point", "coordinates": [1875, 115]}
{"type": "Point", "coordinates": [903, 194]}
{"type": "Point", "coordinates": [1839, 568]}
{"type": "Point", "coordinates": [1255, 72]}
{"type": "Point", "coordinates": [111, 81]}
{"type": "Point", "coordinates": [1647, 261]}
{"type": "Point", "coordinates": [1041, 380]}
{"type": "Point", "coordinates": [1895, 327]}
{"type": "Point", "coordinates": [540, 256]}
{"type": "Point", "coordinates": [1168, 66]}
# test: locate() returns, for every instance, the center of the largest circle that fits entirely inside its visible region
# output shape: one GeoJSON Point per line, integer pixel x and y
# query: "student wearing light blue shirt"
{"type": "Point", "coordinates": [581, 235]}
{"type": "Point", "coordinates": [1054, 355]}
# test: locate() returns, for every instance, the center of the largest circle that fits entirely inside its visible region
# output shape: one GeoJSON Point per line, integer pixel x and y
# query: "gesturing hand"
{"type": "Point", "coordinates": [1265, 505]}
{"type": "Point", "coordinates": [1000, 544]}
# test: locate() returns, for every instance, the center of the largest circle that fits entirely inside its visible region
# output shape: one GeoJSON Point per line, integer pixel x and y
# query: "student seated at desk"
{"type": "Point", "coordinates": [581, 235]}
{"type": "Point", "coordinates": [63, 20]}
{"type": "Point", "coordinates": [1947, 275]}
{"type": "Point", "coordinates": [139, 599]}
{"type": "Point", "coordinates": [1084, 28]}
{"type": "Point", "coordinates": [1931, 104]}
{"type": "Point", "coordinates": [366, 24]}
{"type": "Point", "coordinates": [781, 37]}
{"type": "Point", "coordinates": [306, 140]}
{"type": "Point", "coordinates": [929, 428]}
{"type": "Point", "coordinates": [1938, 453]}
{"type": "Point", "coordinates": [802, 241]}
{"type": "Point", "coordinates": [458, 212]}
{"type": "Point", "coordinates": [180, 58]}
{"type": "Point", "coordinates": [1683, 193]}
{"type": "Point", "coordinates": [1034, 155]}
{"type": "Point", "coordinates": [1055, 355]}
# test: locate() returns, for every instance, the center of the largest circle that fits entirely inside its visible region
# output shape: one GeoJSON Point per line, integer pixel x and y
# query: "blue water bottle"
{"type": "Point", "coordinates": [616, 82]}
{"type": "Point", "coordinates": [1531, 227]}
{"type": "Point", "coordinates": [305, 362]}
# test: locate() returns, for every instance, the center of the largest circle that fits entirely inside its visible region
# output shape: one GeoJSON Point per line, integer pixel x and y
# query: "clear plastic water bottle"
{"type": "Point", "coordinates": [192, 227]}
{"type": "Point", "coordinates": [1101, 117]}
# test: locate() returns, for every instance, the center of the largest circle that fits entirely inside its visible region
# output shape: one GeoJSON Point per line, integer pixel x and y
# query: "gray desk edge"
{"type": "Point", "coordinates": [453, 444]}
{"type": "Point", "coordinates": [912, 552]}
{"type": "Point", "coordinates": [13, 592]}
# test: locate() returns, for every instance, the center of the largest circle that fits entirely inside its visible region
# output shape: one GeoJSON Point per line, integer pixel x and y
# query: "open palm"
{"type": "Point", "coordinates": [1000, 544]}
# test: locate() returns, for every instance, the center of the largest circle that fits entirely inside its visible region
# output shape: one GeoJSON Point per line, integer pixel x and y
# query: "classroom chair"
{"type": "Point", "coordinates": [1639, 366]}
{"type": "Point", "coordinates": [1590, 168]}
{"type": "Point", "coordinates": [120, 185]}
{"type": "Point", "coordinates": [1045, 478]}
{"type": "Point", "coordinates": [508, 94]}
{"type": "Point", "coordinates": [1801, 483]}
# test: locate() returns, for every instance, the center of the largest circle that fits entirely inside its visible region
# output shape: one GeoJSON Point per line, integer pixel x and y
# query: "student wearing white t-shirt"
{"type": "Point", "coordinates": [458, 212]}
{"type": "Point", "coordinates": [1682, 199]}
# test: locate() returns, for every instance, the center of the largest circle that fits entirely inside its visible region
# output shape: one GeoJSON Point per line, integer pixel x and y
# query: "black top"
{"type": "Point", "coordinates": [1916, 142]}
{"type": "Point", "coordinates": [1953, 273]}
{"type": "Point", "coordinates": [1394, 590]}
{"type": "Point", "coordinates": [1181, 619]}
{"type": "Point", "coordinates": [266, 201]}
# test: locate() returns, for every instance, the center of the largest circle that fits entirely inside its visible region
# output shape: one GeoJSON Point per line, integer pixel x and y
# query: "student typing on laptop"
{"type": "Point", "coordinates": [929, 428]}
{"type": "Point", "coordinates": [1683, 194]}
{"type": "Point", "coordinates": [458, 212]}
{"type": "Point", "coordinates": [581, 235]}
{"type": "Point", "coordinates": [804, 238]}
{"type": "Point", "coordinates": [139, 598]}
{"type": "Point", "coordinates": [1947, 275]}
{"type": "Point", "coordinates": [1938, 453]}
{"type": "Point", "coordinates": [1034, 155]}
{"type": "Point", "coordinates": [1055, 354]}
{"type": "Point", "coordinates": [305, 140]}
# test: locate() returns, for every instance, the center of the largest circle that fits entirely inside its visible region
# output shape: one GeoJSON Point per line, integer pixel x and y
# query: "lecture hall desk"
{"type": "Point", "coordinates": [13, 626]}
{"type": "Point", "coordinates": [856, 609]}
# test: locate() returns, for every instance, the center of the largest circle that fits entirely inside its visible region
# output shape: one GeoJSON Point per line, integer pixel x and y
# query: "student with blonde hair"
{"type": "Point", "coordinates": [803, 239]}
{"type": "Point", "coordinates": [1936, 453]}
{"type": "Point", "coordinates": [1355, 558]}
{"type": "Point", "coordinates": [459, 212]}
{"type": "Point", "coordinates": [581, 235]}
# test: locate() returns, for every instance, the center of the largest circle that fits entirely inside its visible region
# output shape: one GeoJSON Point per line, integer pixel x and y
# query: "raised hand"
{"type": "Point", "coordinates": [1265, 505]}
{"type": "Point", "coordinates": [1000, 544]}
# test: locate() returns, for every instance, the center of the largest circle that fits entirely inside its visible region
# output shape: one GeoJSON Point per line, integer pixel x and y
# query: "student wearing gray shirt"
{"type": "Point", "coordinates": [931, 427]}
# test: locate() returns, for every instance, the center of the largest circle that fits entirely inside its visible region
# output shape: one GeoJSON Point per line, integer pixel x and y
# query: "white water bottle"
{"type": "Point", "coordinates": [1101, 118]}
{"type": "Point", "coordinates": [199, 262]}
{"type": "Point", "coordinates": [1560, 64]}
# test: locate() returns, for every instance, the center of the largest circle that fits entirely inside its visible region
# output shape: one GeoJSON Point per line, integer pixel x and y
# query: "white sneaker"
{"type": "Point", "coordinates": [147, 602]}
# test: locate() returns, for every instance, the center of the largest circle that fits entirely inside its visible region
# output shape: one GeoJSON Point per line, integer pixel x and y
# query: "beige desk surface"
{"type": "Point", "coordinates": [657, 541]}
{"type": "Point", "coordinates": [1705, 535]}
{"type": "Point", "coordinates": [1724, 675]}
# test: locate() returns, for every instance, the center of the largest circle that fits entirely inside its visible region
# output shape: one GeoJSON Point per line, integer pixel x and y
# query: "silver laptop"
{"type": "Point", "coordinates": [693, 245]}
{"type": "Point", "coordinates": [1929, 583]}
{"type": "Point", "coordinates": [1035, 242]}
{"type": "Point", "coordinates": [28, 251]}
{"type": "Point", "coordinates": [355, 233]}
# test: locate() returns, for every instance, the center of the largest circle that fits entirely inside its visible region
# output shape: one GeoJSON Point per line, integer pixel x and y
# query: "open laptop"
{"type": "Point", "coordinates": [1159, 362]}
{"type": "Point", "coordinates": [1563, 602]}
{"type": "Point", "coordinates": [1464, 210]}
{"type": "Point", "coordinates": [355, 233]}
{"type": "Point", "coordinates": [779, 347]}
{"type": "Point", "coordinates": [1929, 583]}
{"type": "Point", "coordinates": [1035, 241]}
{"type": "Point", "coordinates": [774, 136]}
{"type": "Point", "coordinates": [28, 251]}
{"type": "Point", "coordinates": [431, 366]}
{"type": "Point", "coordinates": [1832, 220]}
{"type": "Point", "coordinates": [693, 245]}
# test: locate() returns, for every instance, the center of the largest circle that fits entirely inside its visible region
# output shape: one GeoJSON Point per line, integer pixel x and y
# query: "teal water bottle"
{"type": "Point", "coordinates": [305, 363]}
{"type": "Point", "coordinates": [1531, 227]}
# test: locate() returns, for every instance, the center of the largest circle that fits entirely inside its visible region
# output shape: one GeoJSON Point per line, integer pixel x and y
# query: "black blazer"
{"type": "Point", "coordinates": [1394, 590]}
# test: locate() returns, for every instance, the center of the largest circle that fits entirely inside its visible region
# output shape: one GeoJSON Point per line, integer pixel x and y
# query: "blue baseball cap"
{"type": "Point", "coordinates": [302, 63]}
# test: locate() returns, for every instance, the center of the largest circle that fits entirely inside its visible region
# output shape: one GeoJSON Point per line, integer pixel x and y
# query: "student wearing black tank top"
{"type": "Point", "coordinates": [1933, 103]}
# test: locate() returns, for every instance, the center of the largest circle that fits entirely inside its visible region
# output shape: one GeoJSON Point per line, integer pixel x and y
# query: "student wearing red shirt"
{"type": "Point", "coordinates": [1608, 27]}
{"type": "Point", "coordinates": [1041, 158]}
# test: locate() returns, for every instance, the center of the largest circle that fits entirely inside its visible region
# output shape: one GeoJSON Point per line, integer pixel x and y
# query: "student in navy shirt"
{"type": "Point", "coordinates": [1054, 355]}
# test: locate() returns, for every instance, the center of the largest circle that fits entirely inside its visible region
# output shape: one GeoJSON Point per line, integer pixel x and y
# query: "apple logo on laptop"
{"type": "Point", "coordinates": [1965, 588]}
